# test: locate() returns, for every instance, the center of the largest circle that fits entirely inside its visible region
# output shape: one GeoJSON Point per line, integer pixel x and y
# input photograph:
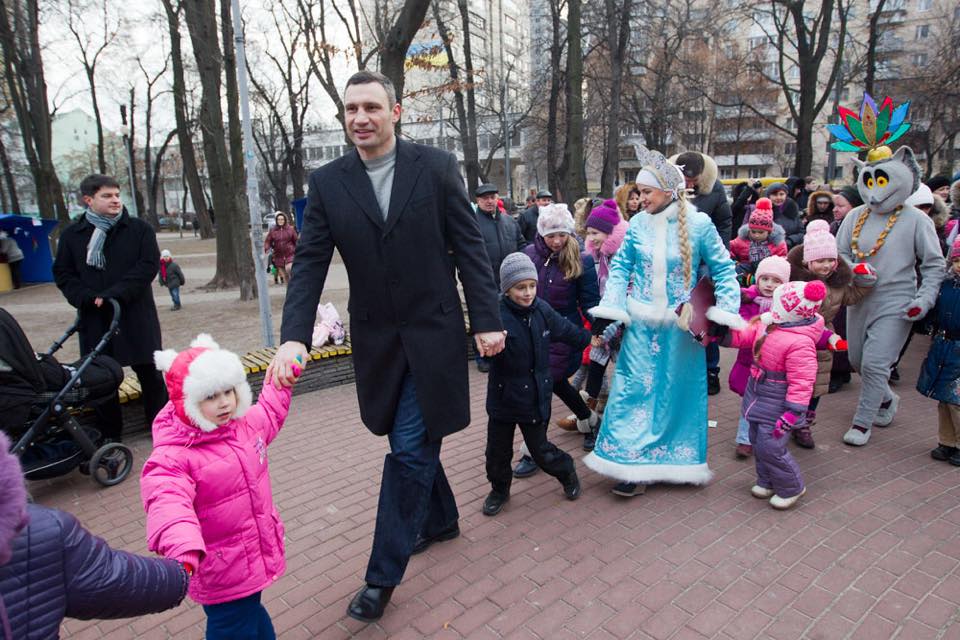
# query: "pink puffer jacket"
{"type": "Point", "coordinates": [792, 350]}
{"type": "Point", "coordinates": [603, 255]}
{"type": "Point", "coordinates": [208, 493]}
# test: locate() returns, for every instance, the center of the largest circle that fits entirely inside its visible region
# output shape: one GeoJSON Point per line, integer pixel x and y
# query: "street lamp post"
{"type": "Point", "coordinates": [253, 188]}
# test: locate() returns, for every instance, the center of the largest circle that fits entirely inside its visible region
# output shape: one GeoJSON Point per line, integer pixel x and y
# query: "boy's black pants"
{"type": "Point", "coordinates": [548, 457]}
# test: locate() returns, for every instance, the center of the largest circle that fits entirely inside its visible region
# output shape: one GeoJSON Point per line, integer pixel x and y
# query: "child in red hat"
{"type": "Point", "coordinates": [206, 486]}
{"type": "Point", "coordinates": [760, 238]}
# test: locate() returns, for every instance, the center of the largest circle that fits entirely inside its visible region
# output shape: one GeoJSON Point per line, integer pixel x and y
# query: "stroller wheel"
{"type": "Point", "coordinates": [111, 464]}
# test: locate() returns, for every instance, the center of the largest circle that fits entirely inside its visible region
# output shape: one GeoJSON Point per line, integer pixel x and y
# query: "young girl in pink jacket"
{"type": "Point", "coordinates": [782, 376]}
{"type": "Point", "coordinates": [206, 486]}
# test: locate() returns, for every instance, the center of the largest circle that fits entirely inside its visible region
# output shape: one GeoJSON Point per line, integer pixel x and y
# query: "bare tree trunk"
{"type": "Point", "coordinates": [872, 39]}
{"type": "Point", "coordinates": [188, 155]}
{"type": "Point", "coordinates": [553, 104]}
{"type": "Point", "coordinates": [201, 19]}
{"type": "Point", "coordinates": [572, 168]}
{"type": "Point", "coordinates": [9, 180]}
{"type": "Point", "coordinates": [156, 177]}
{"type": "Point", "coordinates": [27, 89]}
{"type": "Point", "coordinates": [135, 185]}
{"type": "Point", "coordinates": [393, 51]}
{"type": "Point", "coordinates": [618, 35]}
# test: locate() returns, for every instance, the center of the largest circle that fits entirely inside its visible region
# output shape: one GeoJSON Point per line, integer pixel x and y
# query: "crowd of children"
{"type": "Point", "coordinates": [206, 485]}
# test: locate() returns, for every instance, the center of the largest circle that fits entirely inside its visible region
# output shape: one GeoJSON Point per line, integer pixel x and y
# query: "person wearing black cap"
{"type": "Point", "coordinates": [528, 219]}
{"type": "Point", "coordinates": [700, 174]}
{"type": "Point", "coordinates": [501, 235]}
{"type": "Point", "coordinates": [940, 185]}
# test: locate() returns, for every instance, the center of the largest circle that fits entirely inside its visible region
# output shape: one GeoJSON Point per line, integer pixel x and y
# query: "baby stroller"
{"type": "Point", "coordinates": [37, 395]}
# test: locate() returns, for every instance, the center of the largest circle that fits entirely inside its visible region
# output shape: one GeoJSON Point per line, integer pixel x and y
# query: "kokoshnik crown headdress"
{"type": "Point", "coordinates": [657, 171]}
{"type": "Point", "coordinates": [872, 130]}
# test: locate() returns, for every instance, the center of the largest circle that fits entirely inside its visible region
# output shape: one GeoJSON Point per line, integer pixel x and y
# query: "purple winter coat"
{"type": "Point", "coordinates": [58, 570]}
{"type": "Point", "coordinates": [570, 298]}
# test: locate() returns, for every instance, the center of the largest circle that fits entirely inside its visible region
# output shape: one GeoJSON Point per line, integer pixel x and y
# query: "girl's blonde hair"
{"type": "Point", "coordinates": [622, 195]}
{"type": "Point", "coordinates": [571, 264]}
{"type": "Point", "coordinates": [686, 254]}
{"type": "Point", "coordinates": [581, 211]}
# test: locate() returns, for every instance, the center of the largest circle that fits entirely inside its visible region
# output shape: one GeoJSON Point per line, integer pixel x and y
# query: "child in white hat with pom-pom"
{"type": "Point", "coordinates": [206, 486]}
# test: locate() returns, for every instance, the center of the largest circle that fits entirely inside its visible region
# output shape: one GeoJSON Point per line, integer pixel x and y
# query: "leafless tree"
{"type": "Point", "coordinates": [93, 37]}
{"type": "Point", "coordinates": [26, 89]}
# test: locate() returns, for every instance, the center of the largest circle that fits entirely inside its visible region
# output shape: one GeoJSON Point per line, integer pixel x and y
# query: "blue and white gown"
{"type": "Point", "coordinates": [654, 427]}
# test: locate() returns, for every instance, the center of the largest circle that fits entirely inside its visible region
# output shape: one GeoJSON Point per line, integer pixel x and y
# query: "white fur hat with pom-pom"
{"type": "Point", "coordinates": [555, 218]}
{"type": "Point", "coordinates": [199, 372]}
{"type": "Point", "coordinates": [795, 302]}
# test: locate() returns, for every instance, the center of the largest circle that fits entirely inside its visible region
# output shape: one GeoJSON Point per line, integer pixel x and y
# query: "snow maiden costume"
{"type": "Point", "coordinates": [894, 238]}
{"type": "Point", "coordinates": [654, 428]}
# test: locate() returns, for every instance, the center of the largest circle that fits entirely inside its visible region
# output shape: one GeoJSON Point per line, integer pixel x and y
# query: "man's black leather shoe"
{"type": "Point", "coordinates": [369, 603]}
{"type": "Point", "coordinates": [494, 503]}
{"type": "Point", "coordinates": [423, 543]}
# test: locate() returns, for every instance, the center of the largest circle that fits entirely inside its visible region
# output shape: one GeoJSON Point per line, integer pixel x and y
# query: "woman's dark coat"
{"type": "Point", "coordinates": [570, 298]}
{"type": "Point", "coordinates": [520, 386]}
{"type": "Point", "coordinates": [58, 570]}
{"type": "Point", "coordinates": [787, 216]}
{"type": "Point", "coordinates": [133, 260]}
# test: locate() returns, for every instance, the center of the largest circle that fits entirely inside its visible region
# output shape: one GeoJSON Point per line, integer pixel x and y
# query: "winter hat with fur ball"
{"type": "Point", "coordinates": [555, 218]}
{"type": "Point", "coordinates": [955, 250]}
{"type": "Point", "coordinates": [818, 242]}
{"type": "Point", "coordinates": [762, 216]}
{"type": "Point", "coordinates": [795, 302]}
{"type": "Point", "coordinates": [776, 266]}
{"type": "Point", "coordinates": [604, 217]}
{"type": "Point", "coordinates": [201, 371]}
{"type": "Point", "coordinates": [13, 500]}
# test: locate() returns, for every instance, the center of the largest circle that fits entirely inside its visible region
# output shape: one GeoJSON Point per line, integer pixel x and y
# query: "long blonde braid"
{"type": "Point", "coordinates": [686, 254]}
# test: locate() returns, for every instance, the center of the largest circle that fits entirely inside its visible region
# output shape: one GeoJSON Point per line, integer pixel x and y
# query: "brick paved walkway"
{"type": "Point", "coordinates": [872, 552]}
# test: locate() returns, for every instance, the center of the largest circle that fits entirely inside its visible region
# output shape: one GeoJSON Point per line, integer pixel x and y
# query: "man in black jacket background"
{"type": "Point", "coordinates": [107, 254]}
{"type": "Point", "coordinates": [399, 215]}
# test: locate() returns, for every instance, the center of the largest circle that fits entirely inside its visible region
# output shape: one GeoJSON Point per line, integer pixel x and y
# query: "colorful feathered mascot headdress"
{"type": "Point", "coordinates": [886, 179]}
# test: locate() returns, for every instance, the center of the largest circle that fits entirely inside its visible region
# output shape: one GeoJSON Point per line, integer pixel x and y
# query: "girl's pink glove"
{"type": "Point", "coordinates": [785, 424]}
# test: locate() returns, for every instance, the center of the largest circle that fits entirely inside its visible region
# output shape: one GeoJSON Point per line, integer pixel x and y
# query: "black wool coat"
{"type": "Point", "coordinates": [133, 260]}
{"type": "Point", "coordinates": [405, 312]}
{"type": "Point", "coordinates": [502, 236]}
{"type": "Point", "coordinates": [520, 385]}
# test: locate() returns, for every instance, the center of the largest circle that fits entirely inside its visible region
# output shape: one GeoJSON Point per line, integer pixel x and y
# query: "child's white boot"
{"type": "Point", "coordinates": [588, 424]}
{"type": "Point", "coordinates": [761, 492]}
{"type": "Point", "coordinates": [785, 503]}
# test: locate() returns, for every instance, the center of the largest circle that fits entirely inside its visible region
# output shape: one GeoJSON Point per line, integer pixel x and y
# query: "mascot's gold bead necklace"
{"type": "Point", "coordinates": [855, 240]}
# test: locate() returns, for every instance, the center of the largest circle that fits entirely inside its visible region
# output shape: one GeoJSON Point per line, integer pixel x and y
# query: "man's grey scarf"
{"type": "Point", "coordinates": [102, 226]}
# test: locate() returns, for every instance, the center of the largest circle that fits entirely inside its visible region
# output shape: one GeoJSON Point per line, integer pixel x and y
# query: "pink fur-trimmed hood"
{"type": "Point", "coordinates": [612, 242]}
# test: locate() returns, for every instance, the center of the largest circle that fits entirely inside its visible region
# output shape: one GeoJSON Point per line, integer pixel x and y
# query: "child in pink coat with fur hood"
{"type": "Point", "coordinates": [206, 486]}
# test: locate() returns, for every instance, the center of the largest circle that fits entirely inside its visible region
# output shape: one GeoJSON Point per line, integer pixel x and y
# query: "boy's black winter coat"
{"type": "Point", "coordinates": [520, 386]}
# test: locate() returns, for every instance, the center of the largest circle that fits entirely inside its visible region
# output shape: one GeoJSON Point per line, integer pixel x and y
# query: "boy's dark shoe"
{"type": "Point", "coordinates": [955, 459]}
{"type": "Point", "coordinates": [369, 603]}
{"type": "Point", "coordinates": [590, 439]}
{"type": "Point", "coordinates": [943, 452]}
{"type": "Point", "coordinates": [422, 543]}
{"type": "Point", "coordinates": [571, 486]}
{"type": "Point", "coordinates": [629, 489]}
{"type": "Point", "coordinates": [494, 503]}
{"type": "Point", "coordinates": [713, 383]}
{"type": "Point", "coordinates": [525, 468]}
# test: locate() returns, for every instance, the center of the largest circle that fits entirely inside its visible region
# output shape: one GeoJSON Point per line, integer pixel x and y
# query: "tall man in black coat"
{"type": "Point", "coordinates": [399, 216]}
{"type": "Point", "coordinates": [107, 254]}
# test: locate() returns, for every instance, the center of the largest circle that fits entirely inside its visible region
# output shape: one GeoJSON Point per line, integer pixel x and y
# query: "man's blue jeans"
{"type": "Point", "coordinates": [175, 296]}
{"type": "Point", "coordinates": [415, 497]}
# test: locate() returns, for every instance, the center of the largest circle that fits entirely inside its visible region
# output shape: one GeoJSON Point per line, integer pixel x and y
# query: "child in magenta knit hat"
{"type": "Point", "coordinates": [817, 259]}
{"type": "Point", "coordinates": [760, 238]}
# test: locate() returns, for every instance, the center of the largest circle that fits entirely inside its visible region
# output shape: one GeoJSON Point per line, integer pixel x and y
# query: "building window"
{"type": "Point", "coordinates": [923, 31]}
{"type": "Point", "coordinates": [924, 5]}
{"type": "Point", "coordinates": [790, 148]}
{"type": "Point", "coordinates": [756, 172]}
{"type": "Point", "coordinates": [920, 59]}
{"type": "Point", "coordinates": [726, 173]}
{"type": "Point", "coordinates": [756, 41]}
